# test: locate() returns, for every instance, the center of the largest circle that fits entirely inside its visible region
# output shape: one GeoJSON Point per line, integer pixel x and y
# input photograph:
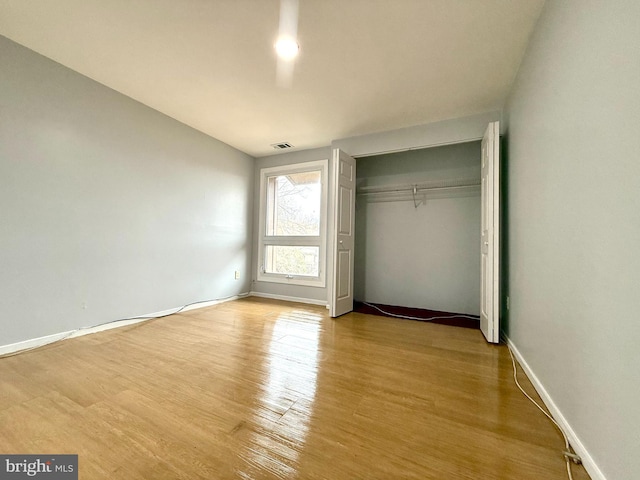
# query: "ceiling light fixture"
{"type": "Point", "coordinates": [286, 47]}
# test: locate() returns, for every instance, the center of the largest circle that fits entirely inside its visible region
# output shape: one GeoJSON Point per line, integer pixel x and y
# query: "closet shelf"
{"type": "Point", "coordinates": [431, 189]}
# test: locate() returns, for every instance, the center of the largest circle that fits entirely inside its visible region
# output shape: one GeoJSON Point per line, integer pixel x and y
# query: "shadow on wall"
{"type": "Point", "coordinates": [360, 267]}
{"type": "Point", "coordinates": [504, 234]}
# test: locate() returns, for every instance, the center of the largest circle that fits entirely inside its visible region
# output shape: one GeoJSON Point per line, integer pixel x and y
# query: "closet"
{"type": "Point", "coordinates": [417, 228]}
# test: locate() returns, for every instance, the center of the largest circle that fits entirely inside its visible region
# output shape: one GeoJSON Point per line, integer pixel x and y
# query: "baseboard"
{"type": "Point", "coordinates": [310, 301]}
{"type": "Point", "coordinates": [587, 460]}
{"type": "Point", "coordinates": [33, 343]}
{"type": "Point", "coordinates": [210, 303]}
{"type": "Point", "coordinates": [48, 339]}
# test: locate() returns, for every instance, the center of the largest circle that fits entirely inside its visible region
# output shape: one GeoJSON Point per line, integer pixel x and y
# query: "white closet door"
{"type": "Point", "coordinates": [490, 225]}
{"type": "Point", "coordinates": [341, 294]}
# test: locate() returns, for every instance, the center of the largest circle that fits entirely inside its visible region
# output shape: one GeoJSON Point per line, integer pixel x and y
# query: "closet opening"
{"type": "Point", "coordinates": [417, 231]}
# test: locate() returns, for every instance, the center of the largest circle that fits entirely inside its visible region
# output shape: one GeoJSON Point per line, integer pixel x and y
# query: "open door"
{"type": "Point", "coordinates": [344, 184]}
{"type": "Point", "coordinates": [489, 283]}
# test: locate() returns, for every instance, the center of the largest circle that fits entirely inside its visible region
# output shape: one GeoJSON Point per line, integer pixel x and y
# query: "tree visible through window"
{"type": "Point", "coordinates": [294, 204]}
{"type": "Point", "coordinates": [292, 243]}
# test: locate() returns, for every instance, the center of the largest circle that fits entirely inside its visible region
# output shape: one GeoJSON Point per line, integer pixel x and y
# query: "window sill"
{"type": "Point", "coordinates": [302, 281]}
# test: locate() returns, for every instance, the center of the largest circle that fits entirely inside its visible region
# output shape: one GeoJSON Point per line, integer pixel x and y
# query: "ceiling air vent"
{"type": "Point", "coordinates": [281, 145]}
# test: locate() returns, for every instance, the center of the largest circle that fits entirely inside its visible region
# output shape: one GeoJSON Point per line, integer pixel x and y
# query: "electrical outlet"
{"type": "Point", "coordinates": [237, 276]}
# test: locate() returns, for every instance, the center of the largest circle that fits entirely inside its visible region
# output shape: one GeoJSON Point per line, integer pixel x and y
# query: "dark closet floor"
{"type": "Point", "coordinates": [418, 314]}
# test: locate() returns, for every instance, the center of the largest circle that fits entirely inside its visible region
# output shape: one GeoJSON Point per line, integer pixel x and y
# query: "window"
{"type": "Point", "coordinates": [293, 204]}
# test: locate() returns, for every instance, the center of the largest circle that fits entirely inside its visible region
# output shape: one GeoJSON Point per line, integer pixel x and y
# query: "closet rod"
{"type": "Point", "coordinates": [411, 188]}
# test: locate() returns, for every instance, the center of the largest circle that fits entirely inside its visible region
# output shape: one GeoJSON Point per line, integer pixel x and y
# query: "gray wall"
{"type": "Point", "coordinates": [445, 132]}
{"type": "Point", "coordinates": [316, 294]}
{"type": "Point", "coordinates": [425, 257]}
{"type": "Point", "coordinates": [573, 139]}
{"type": "Point", "coordinates": [108, 205]}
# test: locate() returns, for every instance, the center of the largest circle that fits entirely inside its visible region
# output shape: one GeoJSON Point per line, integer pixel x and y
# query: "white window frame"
{"type": "Point", "coordinates": [308, 240]}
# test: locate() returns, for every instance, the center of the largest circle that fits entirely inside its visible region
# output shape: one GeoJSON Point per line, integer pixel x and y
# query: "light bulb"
{"type": "Point", "coordinates": [286, 47]}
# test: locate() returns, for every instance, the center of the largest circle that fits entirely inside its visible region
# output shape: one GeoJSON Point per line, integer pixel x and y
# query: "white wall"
{"type": "Point", "coordinates": [109, 208]}
{"type": "Point", "coordinates": [573, 246]}
{"type": "Point", "coordinates": [305, 293]}
{"type": "Point", "coordinates": [425, 257]}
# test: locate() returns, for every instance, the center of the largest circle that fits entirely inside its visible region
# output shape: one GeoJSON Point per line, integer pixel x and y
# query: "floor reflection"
{"type": "Point", "coordinates": [280, 420]}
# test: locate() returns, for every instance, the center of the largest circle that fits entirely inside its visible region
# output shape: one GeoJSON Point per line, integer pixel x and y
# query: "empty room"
{"type": "Point", "coordinates": [319, 239]}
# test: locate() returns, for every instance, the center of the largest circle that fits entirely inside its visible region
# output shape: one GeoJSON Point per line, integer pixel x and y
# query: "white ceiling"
{"type": "Point", "coordinates": [365, 65]}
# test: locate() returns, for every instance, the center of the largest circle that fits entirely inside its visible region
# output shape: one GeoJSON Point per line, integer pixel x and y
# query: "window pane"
{"type": "Point", "coordinates": [292, 260]}
{"type": "Point", "coordinates": [293, 204]}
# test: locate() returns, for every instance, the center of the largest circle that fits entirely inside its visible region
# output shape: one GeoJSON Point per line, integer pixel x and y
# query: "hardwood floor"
{"type": "Point", "coordinates": [261, 389]}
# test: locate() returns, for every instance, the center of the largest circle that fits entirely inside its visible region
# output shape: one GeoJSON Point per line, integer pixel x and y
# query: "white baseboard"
{"type": "Point", "coordinates": [210, 303]}
{"type": "Point", "coordinates": [48, 339]}
{"type": "Point", "coordinates": [310, 301]}
{"type": "Point", "coordinates": [588, 462]}
{"type": "Point", "coordinates": [33, 342]}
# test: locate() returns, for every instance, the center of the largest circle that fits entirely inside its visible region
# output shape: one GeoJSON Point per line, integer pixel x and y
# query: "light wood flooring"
{"type": "Point", "coordinates": [261, 389]}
